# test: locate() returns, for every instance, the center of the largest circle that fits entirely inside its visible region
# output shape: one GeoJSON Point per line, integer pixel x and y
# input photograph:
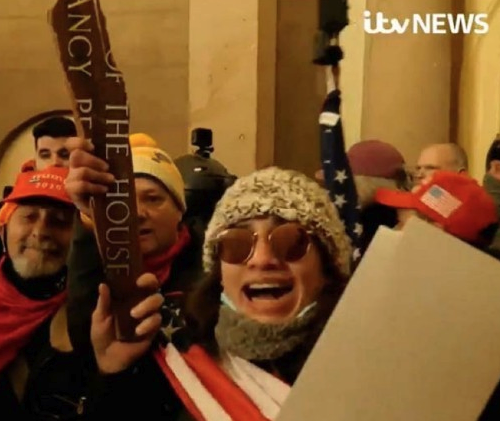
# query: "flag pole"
{"type": "Point", "coordinates": [338, 177]}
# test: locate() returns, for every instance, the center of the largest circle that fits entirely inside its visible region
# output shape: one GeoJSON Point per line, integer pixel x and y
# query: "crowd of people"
{"type": "Point", "coordinates": [231, 314]}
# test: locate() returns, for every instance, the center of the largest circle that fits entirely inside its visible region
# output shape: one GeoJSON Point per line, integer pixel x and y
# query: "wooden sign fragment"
{"type": "Point", "coordinates": [101, 112]}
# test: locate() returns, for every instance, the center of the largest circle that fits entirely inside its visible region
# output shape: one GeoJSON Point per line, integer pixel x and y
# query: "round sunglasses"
{"type": "Point", "coordinates": [289, 242]}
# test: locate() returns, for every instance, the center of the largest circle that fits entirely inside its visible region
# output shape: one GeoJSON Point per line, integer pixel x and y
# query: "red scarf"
{"type": "Point", "coordinates": [161, 265]}
{"type": "Point", "coordinates": [20, 317]}
{"type": "Point", "coordinates": [231, 398]}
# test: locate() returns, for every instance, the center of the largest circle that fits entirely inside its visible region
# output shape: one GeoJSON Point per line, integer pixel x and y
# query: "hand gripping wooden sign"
{"type": "Point", "coordinates": [101, 112]}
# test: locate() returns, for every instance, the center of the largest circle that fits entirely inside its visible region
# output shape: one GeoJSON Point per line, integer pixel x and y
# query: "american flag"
{"type": "Point", "coordinates": [337, 172]}
{"type": "Point", "coordinates": [440, 200]}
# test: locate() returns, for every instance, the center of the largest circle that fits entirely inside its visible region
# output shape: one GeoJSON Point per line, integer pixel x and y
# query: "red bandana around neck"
{"type": "Point", "coordinates": [161, 264]}
{"type": "Point", "coordinates": [20, 316]}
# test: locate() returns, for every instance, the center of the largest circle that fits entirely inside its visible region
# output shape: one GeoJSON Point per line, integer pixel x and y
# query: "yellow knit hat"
{"type": "Point", "coordinates": [149, 159]}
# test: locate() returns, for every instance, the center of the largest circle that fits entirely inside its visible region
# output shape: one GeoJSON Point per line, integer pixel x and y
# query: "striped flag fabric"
{"type": "Point", "coordinates": [338, 176]}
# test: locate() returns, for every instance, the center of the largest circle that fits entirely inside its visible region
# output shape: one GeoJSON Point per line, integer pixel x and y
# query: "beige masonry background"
{"type": "Point", "coordinates": [150, 41]}
{"type": "Point", "coordinates": [243, 68]}
{"type": "Point", "coordinates": [480, 87]}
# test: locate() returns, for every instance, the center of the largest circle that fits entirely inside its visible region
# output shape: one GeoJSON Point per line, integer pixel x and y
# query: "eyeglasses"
{"type": "Point", "coordinates": [424, 170]}
{"type": "Point", "coordinates": [289, 242]}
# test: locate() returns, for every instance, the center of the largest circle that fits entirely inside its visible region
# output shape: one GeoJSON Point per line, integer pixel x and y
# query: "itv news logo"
{"type": "Point", "coordinates": [429, 23]}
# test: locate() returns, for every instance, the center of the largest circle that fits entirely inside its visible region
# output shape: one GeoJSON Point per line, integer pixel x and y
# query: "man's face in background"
{"type": "Point", "coordinates": [51, 151]}
{"type": "Point", "coordinates": [38, 237]}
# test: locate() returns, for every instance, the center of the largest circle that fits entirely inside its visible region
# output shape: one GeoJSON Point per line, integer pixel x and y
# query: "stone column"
{"type": "Point", "coordinates": [407, 81]}
{"type": "Point", "coordinates": [150, 43]}
{"type": "Point", "coordinates": [479, 112]}
{"type": "Point", "coordinates": [231, 78]}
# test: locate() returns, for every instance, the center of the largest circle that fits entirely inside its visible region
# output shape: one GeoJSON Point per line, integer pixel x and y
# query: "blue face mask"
{"type": "Point", "coordinates": [306, 309]}
{"type": "Point", "coordinates": [226, 301]}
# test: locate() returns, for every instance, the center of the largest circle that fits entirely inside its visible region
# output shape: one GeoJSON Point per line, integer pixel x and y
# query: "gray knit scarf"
{"type": "Point", "coordinates": [256, 341]}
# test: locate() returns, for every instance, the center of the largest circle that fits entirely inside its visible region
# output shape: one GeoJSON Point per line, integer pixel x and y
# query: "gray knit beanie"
{"type": "Point", "coordinates": [289, 195]}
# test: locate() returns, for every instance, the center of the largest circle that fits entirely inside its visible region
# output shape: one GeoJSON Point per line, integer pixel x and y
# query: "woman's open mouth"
{"type": "Point", "coordinates": [267, 291]}
{"type": "Point", "coordinates": [269, 300]}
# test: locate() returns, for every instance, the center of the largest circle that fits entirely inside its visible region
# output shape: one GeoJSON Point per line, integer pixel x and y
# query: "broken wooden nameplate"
{"type": "Point", "coordinates": [101, 112]}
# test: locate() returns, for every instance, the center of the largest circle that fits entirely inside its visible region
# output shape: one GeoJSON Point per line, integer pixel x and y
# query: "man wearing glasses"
{"type": "Point", "coordinates": [439, 156]}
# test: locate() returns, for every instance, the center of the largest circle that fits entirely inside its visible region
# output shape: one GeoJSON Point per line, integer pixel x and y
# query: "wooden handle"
{"type": "Point", "coordinates": [101, 112]}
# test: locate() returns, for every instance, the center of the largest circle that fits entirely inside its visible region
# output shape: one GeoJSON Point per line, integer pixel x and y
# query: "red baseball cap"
{"type": "Point", "coordinates": [47, 183]}
{"type": "Point", "coordinates": [455, 201]}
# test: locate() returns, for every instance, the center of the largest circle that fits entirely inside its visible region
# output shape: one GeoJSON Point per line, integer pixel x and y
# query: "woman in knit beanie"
{"type": "Point", "coordinates": [277, 257]}
{"type": "Point", "coordinates": [277, 260]}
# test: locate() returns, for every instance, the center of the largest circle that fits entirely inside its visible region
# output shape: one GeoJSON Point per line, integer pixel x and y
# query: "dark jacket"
{"type": "Point", "coordinates": [14, 378]}
{"type": "Point", "coordinates": [141, 392]}
{"type": "Point", "coordinates": [17, 379]}
{"type": "Point", "coordinates": [492, 410]}
{"type": "Point", "coordinates": [492, 186]}
{"type": "Point", "coordinates": [73, 377]}
{"type": "Point", "coordinates": [86, 273]}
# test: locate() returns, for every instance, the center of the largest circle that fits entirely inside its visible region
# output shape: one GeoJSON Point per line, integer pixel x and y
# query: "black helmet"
{"type": "Point", "coordinates": [205, 179]}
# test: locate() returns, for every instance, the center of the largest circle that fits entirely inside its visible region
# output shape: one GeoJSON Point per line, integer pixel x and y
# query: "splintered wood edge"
{"type": "Point", "coordinates": [51, 17]}
{"type": "Point", "coordinates": [56, 35]}
{"type": "Point", "coordinates": [101, 37]}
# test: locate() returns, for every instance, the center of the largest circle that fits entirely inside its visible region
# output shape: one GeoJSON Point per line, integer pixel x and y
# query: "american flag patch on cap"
{"type": "Point", "coordinates": [441, 201]}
